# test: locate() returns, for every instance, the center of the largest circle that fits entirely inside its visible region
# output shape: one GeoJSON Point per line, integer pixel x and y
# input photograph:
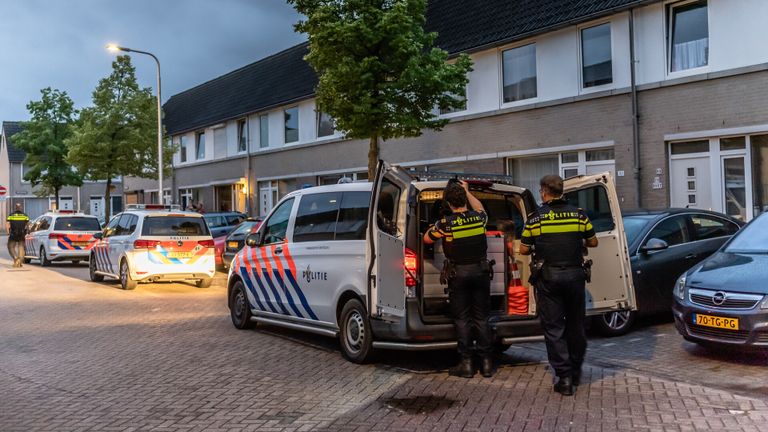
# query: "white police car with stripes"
{"type": "Point", "coordinates": [151, 243]}
{"type": "Point", "coordinates": [60, 235]}
{"type": "Point", "coordinates": [323, 263]}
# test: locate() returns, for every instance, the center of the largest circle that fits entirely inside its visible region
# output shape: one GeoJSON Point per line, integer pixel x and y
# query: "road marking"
{"type": "Point", "coordinates": [608, 344]}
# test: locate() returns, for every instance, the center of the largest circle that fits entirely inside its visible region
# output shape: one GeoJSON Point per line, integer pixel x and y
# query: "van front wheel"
{"type": "Point", "coordinates": [355, 336]}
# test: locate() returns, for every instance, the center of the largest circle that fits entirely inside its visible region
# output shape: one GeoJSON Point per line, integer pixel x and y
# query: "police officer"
{"type": "Point", "coordinates": [557, 233]}
{"type": "Point", "coordinates": [465, 246]}
{"type": "Point", "coordinates": [16, 224]}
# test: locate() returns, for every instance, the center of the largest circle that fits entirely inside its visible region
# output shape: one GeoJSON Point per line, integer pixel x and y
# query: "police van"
{"type": "Point", "coordinates": [323, 263]}
{"type": "Point", "coordinates": [60, 235]}
{"type": "Point", "coordinates": [152, 243]}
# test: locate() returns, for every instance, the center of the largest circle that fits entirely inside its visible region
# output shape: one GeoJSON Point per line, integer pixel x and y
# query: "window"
{"type": "Point", "coordinates": [316, 218]}
{"type": "Point", "coordinates": [673, 230]}
{"type": "Point", "coordinates": [689, 147]}
{"type": "Point", "coordinates": [234, 219]}
{"type": "Point", "coordinates": [734, 143]}
{"type": "Point", "coordinates": [759, 173]}
{"type": "Point", "coordinates": [242, 143]}
{"type": "Point", "coordinates": [216, 221]}
{"type": "Point", "coordinates": [594, 201]}
{"type": "Point", "coordinates": [353, 216]}
{"type": "Point", "coordinates": [291, 116]}
{"type": "Point", "coordinates": [174, 226]}
{"type": "Point", "coordinates": [76, 224]}
{"type": "Point", "coordinates": [526, 172]}
{"type": "Point", "coordinates": [689, 31]}
{"type": "Point", "coordinates": [183, 148]}
{"type": "Point", "coordinates": [127, 224]}
{"type": "Point", "coordinates": [519, 70]}
{"type": "Point", "coordinates": [264, 130]}
{"type": "Point", "coordinates": [462, 100]}
{"type": "Point", "coordinates": [277, 225]}
{"type": "Point", "coordinates": [599, 155]}
{"type": "Point", "coordinates": [596, 66]}
{"type": "Point", "coordinates": [44, 224]}
{"type": "Point", "coordinates": [112, 227]}
{"type": "Point", "coordinates": [200, 146]}
{"type": "Point", "coordinates": [387, 206]}
{"type": "Point", "coordinates": [708, 227]}
{"type": "Point", "coordinates": [325, 126]}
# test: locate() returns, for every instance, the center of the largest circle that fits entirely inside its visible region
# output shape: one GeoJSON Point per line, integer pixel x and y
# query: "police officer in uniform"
{"type": "Point", "coordinates": [16, 224]}
{"type": "Point", "coordinates": [556, 234]}
{"type": "Point", "coordinates": [465, 246]}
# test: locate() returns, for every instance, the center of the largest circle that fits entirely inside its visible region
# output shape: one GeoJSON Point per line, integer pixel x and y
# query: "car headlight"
{"type": "Point", "coordinates": [764, 304]}
{"type": "Point", "coordinates": [680, 287]}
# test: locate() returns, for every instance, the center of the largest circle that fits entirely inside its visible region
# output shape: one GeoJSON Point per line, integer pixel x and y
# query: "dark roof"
{"type": "Point", "coordinates": [462, 26]}
{"type": "Point", "coordinates": [11, 128]}
{"type": "Point", "coordinates": [276, 80]}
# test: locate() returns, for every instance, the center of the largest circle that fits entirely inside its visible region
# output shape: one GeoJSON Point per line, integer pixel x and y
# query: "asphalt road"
{"type": "Point", "coordinates": [76, 355]}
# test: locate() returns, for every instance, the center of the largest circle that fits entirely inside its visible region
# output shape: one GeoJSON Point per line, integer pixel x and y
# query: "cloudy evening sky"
{"type": "Point", "coordinates": [60, 43]}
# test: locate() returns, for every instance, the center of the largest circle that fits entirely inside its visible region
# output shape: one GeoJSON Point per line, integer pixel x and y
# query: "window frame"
{"type": "Point", "coordinates": [263, 131]}
{"type": "Point", "coordinates": [242, 135]}
{"type": "Point", "coordinates": [198, 145]}
{"type": "Point", "coordinates": [647, 236]}
{"type": "Point", "coordinates": [182, 149]}
{"type": "Point", "coordinates": [724, 221]}
{"type": "Point", "coordinates": [501, 52]}
{"type": "Point", "coordinates": [265, 225]}
{"type": "Point", "coordinates": [285, 125]}
{"type": "Point", "coordinates": [669, 16]}
{"type": "Point", "coordinates": [580, 30]}
{"type": "Point", "coordinates": [318, 117]}
{"type": "Point", "coordinates": [296, 225]}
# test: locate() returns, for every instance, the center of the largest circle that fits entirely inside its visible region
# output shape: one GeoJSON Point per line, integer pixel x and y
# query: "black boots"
{"type": "Point", "coordinates": [564, 386]}
{"type": "Point", "coordinates": [486, 366]}
{"type": "Point", "coordinates": [464, 369]}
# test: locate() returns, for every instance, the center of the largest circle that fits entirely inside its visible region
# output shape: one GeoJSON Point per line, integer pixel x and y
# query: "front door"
{"type": "Point", "coordinates": [611, 286]}
{"type": "Point", "coordinates": [385, 254]}
{"type": "Point", "coordinates": [690, 183]}
{"type": "Point", "coordinates": [97, 206]}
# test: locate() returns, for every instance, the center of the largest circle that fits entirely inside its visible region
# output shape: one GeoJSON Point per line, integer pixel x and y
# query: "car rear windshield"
{"type": "Point", "coordinates": [244, 227]}
{"type": "Point", "coordinates": [633, 226]}
{"type": "Point", "coordinates": [77, 224]}
{"type": "Point", "coordinates": [174, 226]}
{"type": "Point", "coordinates": [751, 239]}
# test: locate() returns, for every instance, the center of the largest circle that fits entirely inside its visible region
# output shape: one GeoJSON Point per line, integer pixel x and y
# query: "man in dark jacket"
{"type": "Point", "coordinates": [16, 225]}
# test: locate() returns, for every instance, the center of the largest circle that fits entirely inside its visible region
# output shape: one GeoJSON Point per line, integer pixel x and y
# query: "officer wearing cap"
{"type": "Point", "coordinates": [465, 246]}
{"type": "Point", "coordinates": [16, 225]}
{"type": "Point", "coordinates": [556, 234]}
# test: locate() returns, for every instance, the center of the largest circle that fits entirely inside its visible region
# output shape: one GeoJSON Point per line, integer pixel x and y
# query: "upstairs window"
{"type": "Point", "coordinates": [688, 35]}
{"type": "Point", "coordinates": [264, 130]}
{"type": "Point", "coordinates": [291, 124]}
{"type": "Point", "coordinates": [596, 66]}
{"type": "Point", "coordinates": [242, 143]}
{"type": "Point", "coordinates": [200, 146]}
{"type": "Point", "coordinates": [183, 148]}
{"type": "Point", "coordinates": [519, 70]}
{"type": "Point", "coordinates": [462, 100]}
{"type": "Point", "coordinates": [325, 126]}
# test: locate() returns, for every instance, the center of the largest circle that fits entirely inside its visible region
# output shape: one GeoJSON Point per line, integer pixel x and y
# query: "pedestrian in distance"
{"type": "Point", "coordinates": [557, 234]}
{"type": "Point", "coordinates": [467, 273]}
{"type": "Point", "coordinates": [16, 226]}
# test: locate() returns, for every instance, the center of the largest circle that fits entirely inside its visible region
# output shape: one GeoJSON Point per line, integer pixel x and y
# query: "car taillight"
{"type": "Point", "coordinates": [410, 263]}
{"type": "Point", "coordinates": [206, 243]}
{"type": "Point", "coordinates": [55, 236]}
{"type": "Point", "coordinates": [145, 244]}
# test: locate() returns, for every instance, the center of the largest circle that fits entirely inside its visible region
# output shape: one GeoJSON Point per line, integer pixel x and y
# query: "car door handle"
{"type": "Point", "coordinates": [690, 256]}
{"type": "Point", "coordinates": [278, 250]}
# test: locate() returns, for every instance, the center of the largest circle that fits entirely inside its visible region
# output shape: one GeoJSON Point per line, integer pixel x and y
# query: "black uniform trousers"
{"type": "Point", "coordinates": [560, 302]}
{"type": "Point", "coordinates": [470, 297]}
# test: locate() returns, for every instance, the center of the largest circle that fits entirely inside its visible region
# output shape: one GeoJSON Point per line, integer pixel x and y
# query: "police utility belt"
{"type": "Point", "coordinates": [449, 269]}
{"type": "Point", "coordinates": [540, 269]}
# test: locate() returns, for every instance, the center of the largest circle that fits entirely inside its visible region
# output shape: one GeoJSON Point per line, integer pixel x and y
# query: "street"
{"type": "Point", "coordinates": [77, 355]}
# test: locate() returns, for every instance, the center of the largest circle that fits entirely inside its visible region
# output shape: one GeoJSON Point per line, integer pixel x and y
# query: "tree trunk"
{"type": "Point", "coordinates": [107, 200]}
{"type": "Point", "coordinates": [373, 156]}
{"type": "Point", "coordinates": [56, 197]}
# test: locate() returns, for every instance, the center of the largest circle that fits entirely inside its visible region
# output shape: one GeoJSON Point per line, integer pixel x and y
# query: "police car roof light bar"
{"type": "Point", "coordinates": [153, 207]}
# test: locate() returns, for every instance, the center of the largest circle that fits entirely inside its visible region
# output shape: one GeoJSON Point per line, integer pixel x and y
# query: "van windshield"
{"type": "Point", "coordinates": [76, 224]}
{"type": "Point", "coordinates": [174, 226]}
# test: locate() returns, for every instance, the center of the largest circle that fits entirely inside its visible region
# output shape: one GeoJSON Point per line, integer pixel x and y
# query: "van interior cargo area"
{"type": "Point", "coordinates": [501, 208]}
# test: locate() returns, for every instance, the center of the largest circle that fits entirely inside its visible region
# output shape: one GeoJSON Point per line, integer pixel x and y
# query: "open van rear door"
{"type": "Point", "coordinates": [611, 287]}
{"type": "Point", "coordinates": [385, 251]}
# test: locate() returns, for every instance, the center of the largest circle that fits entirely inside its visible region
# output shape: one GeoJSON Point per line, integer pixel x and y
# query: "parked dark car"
{"type": "Point", "coordinates": [236, 239]}
{"type": "Point", "coordinates": [223, 223]}
{"type": "Point", "coordinates": [724, 299]}
{"type": "Point", "coordinates": [663, 245]}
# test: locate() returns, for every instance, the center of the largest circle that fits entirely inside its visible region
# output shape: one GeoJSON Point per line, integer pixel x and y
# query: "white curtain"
{"type": "Point", "coordinates": [688, 55]}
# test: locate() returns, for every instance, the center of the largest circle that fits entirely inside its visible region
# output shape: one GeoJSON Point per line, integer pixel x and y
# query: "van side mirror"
{"type": "Point", "coordinates": [98, 236]}
{"type": "Point", "coordinates": [253, 240]}
{"type": "Point", "coordinates": [654, 244]}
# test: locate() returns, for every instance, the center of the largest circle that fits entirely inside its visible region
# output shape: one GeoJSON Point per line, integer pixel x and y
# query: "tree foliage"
{"type": "Point", "coordinates": [380, 75]}
{"type": "Point", "coordinates": [117, 136]}
{"type": "Point", "coordinates": [44, 139]}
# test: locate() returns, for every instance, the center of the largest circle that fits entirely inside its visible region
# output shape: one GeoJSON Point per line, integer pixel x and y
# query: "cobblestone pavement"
{"type": "Point", "coordinates": [75, 355]}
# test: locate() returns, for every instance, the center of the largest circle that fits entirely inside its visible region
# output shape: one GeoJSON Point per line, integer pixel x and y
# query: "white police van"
{"type": "Point", "coordinates": [323, 263]}
{"type": "Point", "coordinates": [60, 235]}
{"type": "Point", "coordinates": [152, 243]}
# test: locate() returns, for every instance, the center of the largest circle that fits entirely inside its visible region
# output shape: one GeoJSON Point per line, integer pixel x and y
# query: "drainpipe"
{"type": "Point", "coordinates": [635, 114]}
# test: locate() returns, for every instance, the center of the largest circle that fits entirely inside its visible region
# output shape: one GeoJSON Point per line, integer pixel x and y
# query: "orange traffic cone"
{"type": "Point", "coordinates": [517, 294]}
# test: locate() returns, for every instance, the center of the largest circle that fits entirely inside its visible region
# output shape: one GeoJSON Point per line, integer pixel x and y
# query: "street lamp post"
{"type": "Point", "coordinates": [116, 48]}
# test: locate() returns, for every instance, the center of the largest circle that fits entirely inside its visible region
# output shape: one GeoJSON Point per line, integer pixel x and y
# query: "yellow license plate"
{"type": "Point", "coordinates": [232, 244]}
{"type": "Point", "coordinates": [180, 254]}
{"type": "Point", "coordinates": [716, 321]}
{"type": "Point", "coordinates": [80, 244]}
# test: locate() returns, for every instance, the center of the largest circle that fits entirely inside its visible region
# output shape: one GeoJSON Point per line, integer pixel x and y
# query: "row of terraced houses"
{"type": "Point", "coordinates": [669, 96]}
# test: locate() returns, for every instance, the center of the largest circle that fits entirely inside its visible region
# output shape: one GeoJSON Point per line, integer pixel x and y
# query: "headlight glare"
{"type": "Point", "coordinates": [680, 287]}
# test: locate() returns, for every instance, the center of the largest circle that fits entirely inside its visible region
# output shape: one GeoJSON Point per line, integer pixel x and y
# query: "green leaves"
{"type": "Point", "coordinates": [379, 72]}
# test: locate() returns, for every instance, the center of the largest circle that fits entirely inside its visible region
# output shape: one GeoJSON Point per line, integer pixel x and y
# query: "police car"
{"type": "Point", "coordinates": [151, 243]}
{"type": "Point", "coordinates": [323, 263]}
{"type": "Point", "coordinates": [60, 235]}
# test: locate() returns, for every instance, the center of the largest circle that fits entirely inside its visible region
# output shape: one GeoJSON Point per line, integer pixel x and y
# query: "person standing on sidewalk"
{"type": "Point", "coordinates": [16, 225]}
{"type": "Point", "coordinates": [468, 275]}
{"type": "Point", "coordinates": [556, 234]}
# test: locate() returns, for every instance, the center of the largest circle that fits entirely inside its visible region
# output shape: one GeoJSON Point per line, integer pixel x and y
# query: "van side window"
{"type": "Point", "coordinates": [594, 201]}
{"type": "Point", "coordinates": [386, 213]}
{"type": "Point", "coordinates": [353, 216]}
{"type": "Point", "coordinates": [316, 217]}
{"type": "Point", "coordinates": [277, 225]}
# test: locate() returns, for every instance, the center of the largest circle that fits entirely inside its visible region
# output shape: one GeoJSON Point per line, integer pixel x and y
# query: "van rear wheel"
{"type": "Point", "coordinates": [615, 323]}
{"type": "Point", "coordinates": [355, 336]}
